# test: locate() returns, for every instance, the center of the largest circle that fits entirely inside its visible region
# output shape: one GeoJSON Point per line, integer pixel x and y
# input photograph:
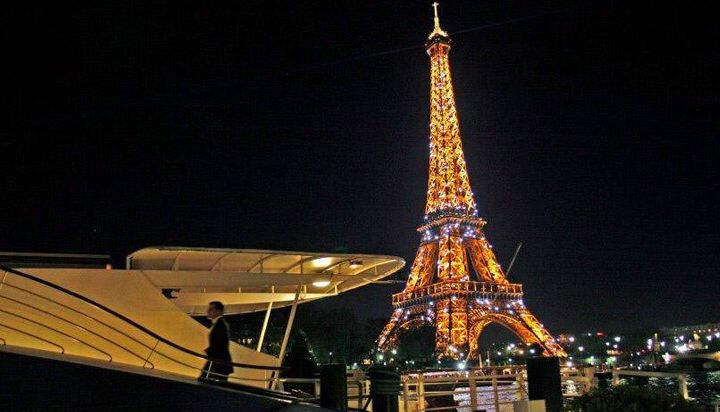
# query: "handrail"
{"type": "Point", "coordinates": [152, 349]}
{"type": "Point", "coordinates": [62, 350]}
{"type": "Point", "coordinates": [135, 324]}
{"type": "Point", "coordinates": [152, 366]}
{"type": "Point", "coordinates": [60, 332]}
{"type": "Point", "coordinates": [136, 340]}
{"type": "Point", "coordinates": [466, 383]}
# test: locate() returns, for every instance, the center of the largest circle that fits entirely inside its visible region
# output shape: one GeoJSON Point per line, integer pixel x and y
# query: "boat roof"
{"type": "Point", "coordinates": [246, 280]}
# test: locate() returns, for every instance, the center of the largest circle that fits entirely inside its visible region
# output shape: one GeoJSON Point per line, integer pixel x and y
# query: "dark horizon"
{"type": "Point", "coordinates": [589, 129]}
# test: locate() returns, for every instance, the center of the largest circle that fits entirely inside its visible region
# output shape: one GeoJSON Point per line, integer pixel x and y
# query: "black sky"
{"type": "Point", "coordinates": [590, 131]}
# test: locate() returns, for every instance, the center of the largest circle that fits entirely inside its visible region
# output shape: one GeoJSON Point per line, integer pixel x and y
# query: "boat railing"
{"type": "Point", "coordinates": [482, 388]}
{"type": "Point", "coordinates": [153, 344]}
{"type": "Point", "coordinates": [77, 325]}
{"type": "Point", "coordinates": [59, 332]}
{"type": "Point", "coordinates": [357, 391]}
{"type": "Point", "coordinates": [32, 335]}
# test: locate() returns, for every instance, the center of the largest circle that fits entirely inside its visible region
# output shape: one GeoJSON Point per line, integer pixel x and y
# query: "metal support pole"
{"type": "Point", "coordinates": [473, 391]}
{"type": "Point", "coordinates": [521, 386]}
{"type": "Point", "coordinates": [496, 396]}
{"type": "Point", "coordinates": [207, 375]}
{"type": "Point", "coordinates": [151, 353]}
{"type": "Point", "coordinates": [682, 383]}
{"type": "Point", "coordinates": [361, 394]}
{"type": "Point", "coordinates": [264, 327]}
{"type": "Point", "coordinates": [3, 279]}
{"type": "Point", "coordinates": [420, 392]}
{"type": "Point", "coordinates": [283, 346]}
{"type": "Point", "coordinates": [406, 391]}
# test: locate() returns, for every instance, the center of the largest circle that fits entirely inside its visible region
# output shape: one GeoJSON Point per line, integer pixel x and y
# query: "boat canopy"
{"type": "Point", "coordinates": [247, 280]}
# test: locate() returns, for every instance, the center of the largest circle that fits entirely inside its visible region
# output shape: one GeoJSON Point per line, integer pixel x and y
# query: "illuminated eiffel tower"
{"type": "Point", "coordinates": [442, 291]}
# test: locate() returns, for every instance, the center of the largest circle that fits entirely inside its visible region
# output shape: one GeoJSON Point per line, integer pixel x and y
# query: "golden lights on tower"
{"type": "Point", "coordinates": [455, 282]}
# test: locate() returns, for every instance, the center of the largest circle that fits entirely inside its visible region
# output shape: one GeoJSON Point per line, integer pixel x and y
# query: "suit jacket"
{"type": "Point", "coordinates": [219, 345]}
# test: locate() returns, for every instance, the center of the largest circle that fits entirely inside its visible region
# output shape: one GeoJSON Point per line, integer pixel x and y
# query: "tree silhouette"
{"type": "Point", "coordinates": [300, 359]}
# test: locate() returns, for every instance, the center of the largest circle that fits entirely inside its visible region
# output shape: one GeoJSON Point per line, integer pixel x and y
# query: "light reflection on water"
{"type": "Point", "coordinates": [702, 386]}
{"type": "Point", "coordinates": [486, 398]}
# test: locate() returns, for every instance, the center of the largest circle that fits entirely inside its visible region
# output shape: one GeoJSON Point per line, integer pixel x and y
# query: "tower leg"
{"type": "Point", "coordinates": [474, 330]}
{"type": "Point", "coordinates": [548, 343]}
{"type": "Point", "coordinates": [387, 337]}
{"type": "Point", "coordinates": [442, 328]}
{"type": "Point", "coordinates": [459, 324]}
{"type": "Point", "coordinates": [518, 320]}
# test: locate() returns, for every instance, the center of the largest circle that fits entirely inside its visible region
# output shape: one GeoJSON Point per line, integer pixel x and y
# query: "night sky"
{"type": "Point", "coordinates": [590, 132]}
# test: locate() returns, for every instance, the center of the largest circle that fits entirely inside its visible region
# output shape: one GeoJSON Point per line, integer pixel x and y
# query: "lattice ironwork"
{"type": "Point", "coordinates": [442, 290]}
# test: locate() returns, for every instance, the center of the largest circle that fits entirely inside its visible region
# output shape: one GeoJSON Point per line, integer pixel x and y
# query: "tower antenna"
{"type": "Point", "coordinates": [512, 261]}
{"type": "Point", "coordinates": [437, 30]}
{"type": "Point", "coordinates": [437, 19]}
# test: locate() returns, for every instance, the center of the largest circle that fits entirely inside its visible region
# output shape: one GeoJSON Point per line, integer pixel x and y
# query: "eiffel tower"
{"type": "Point", "coordinates": [442, 290]}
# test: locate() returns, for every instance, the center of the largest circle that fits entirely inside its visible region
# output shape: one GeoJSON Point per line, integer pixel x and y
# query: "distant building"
{"type": "Point", "coordinates": [707, 328]}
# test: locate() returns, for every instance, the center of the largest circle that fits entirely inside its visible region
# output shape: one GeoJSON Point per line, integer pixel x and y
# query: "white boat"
{"type": "Point", "coordinates": [140, 316]}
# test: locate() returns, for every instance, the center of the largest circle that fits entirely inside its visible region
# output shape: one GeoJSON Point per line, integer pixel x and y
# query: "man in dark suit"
{"type": "Point", "coordinates": [219, 345]}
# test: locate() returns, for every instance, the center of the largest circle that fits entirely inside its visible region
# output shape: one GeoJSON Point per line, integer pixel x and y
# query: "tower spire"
{"type": "Point", "coordinates": [437, 31]}
{"type": "Point", "coordinates": [448, 183]}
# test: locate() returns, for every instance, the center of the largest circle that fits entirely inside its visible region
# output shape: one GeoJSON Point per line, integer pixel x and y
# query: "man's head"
{"type": "Point", "coordinates": [215, 309]}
